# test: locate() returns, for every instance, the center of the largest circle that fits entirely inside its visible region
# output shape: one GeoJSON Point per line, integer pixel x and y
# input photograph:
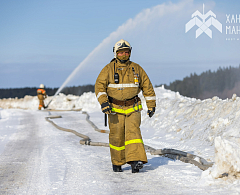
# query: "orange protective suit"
{"type": "Point", "coordinates": [41, 93]}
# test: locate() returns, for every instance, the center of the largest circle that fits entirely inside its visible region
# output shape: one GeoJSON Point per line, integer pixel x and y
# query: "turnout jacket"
{"type": "Point", "coordinates": [126, 89]}
{"type": "Point", "coordinates": [41, 93]}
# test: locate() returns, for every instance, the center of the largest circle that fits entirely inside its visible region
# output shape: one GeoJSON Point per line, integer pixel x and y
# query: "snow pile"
{"type": "Point", "coordinates": [227, 158]}
{"type": "Point", "coordinates": [227, 163]}
{"type": "Point", "coordinates": [28, 102]}
{"type": "Point", "coordinates": [88, 102]}
{"type": "Point", "coordinates": [195, 119]}
{"type": "Point", "coordinates": [194, 124]}
{"type": "Point", "coordinates": [229, 149]}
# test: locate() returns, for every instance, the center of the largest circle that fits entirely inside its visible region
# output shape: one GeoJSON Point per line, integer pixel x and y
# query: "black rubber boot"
{"type": "Point", "coordinates": [117, 168]}
{"type": "Point", "coordinates": [136, 165]}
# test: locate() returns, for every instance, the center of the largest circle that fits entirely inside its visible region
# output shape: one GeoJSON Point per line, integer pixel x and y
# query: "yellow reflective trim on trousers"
{"type": "Point", "coordinates": [128, 110]}
{"type": "Point", "coordinates": [134, 141]}
{"type": "Point", "coordinates": [117, 148]}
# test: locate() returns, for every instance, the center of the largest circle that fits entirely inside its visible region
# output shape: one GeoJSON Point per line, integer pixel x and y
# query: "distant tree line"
{"type": "Point", "coordinates": [32, 91]}
{"type": "Point", "coordinates": [78, 90]}
{"type": "Point", "coordinates": [222, 83]}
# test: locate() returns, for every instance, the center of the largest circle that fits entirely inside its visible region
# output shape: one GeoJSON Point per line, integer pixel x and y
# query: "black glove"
{"type": "Point", "coordinates": [106, 108]}
{"type": "Point", "coordinates": [151, 111]}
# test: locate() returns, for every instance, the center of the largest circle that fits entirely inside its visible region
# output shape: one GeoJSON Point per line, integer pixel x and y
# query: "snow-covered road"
{"type": "Point", "coordinates": [40, 159]}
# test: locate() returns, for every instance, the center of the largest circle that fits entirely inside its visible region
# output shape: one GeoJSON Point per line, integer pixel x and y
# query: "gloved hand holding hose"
{"type": "Point", "coordinates": [151, 111]}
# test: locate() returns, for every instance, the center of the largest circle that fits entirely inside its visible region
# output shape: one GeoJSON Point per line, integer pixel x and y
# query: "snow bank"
{"type": "Point", "coordinates": [209, 122]}
{"type": "Point", "coordinates": [28, 102]}
{"type": "Point", "coordinates": [226, 169]}
{"type": "Point", "coordinates": [190, 118]}
{"type": "Point", "coordinates": [227, 157]}
{"type": "Point", "coordinates": [88, 102]}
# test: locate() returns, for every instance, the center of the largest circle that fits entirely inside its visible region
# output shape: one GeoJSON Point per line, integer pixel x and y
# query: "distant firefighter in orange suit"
{"type": "Point", "coordinates": [41, 93]}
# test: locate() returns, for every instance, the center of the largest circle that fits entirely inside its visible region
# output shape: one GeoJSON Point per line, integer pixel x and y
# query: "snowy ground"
{"type": "Point", "coordinates": [37, 158]}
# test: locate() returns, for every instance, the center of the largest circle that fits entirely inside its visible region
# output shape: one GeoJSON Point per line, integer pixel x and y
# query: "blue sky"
{"type": "Point", "coordinates": [44, 41]}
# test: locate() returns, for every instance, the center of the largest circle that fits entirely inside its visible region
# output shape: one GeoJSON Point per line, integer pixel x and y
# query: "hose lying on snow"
{"type": "Point", "coordinates": [85, 141]}
{"type": "Point", "coordinates": [170, 153]}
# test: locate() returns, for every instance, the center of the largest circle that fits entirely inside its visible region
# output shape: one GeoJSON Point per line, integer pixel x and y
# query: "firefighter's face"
{"type": "Point", "coordinates": [123, 52]}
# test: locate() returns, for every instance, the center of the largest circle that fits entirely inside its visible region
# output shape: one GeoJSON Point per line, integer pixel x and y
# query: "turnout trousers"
{"type": "Point", "coordinates": [125, 138]}
{"type": "Point", "coordinates": [41, 104]}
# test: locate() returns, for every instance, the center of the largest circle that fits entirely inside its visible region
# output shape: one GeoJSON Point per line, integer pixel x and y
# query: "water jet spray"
{"type": "Point", "coordinates": [128, 31]}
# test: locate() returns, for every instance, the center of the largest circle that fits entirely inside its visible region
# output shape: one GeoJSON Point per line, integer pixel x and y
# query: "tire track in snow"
{"type": "Point", "coordinates": [14, 159]}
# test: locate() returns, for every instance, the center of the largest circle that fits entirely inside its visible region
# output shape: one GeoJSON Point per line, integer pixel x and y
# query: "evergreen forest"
{"type": "Point", "coordinates": [222, 83]}
{"type": "Point", "coordinates": [21, 92]}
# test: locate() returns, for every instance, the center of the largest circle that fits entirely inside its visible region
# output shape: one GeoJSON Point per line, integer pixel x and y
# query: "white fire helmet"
{"type": "Point", "coordinates": [122, 44]}
{"type": "Point", "coordinates": [41, 86]}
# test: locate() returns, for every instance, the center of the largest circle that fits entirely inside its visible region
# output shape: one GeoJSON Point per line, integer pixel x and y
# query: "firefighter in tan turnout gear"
{"type": "Point", "coordinates": [41, 93]}
{"type": "Point", "coordinates": [117, 88]}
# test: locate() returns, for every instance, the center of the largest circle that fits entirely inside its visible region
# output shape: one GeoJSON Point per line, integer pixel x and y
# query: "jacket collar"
{"type": "Point", "coordinates": [119, 64]}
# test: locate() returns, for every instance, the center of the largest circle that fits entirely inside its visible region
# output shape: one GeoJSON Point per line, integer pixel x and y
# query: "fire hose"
{"type": "Point", "coordinates": [166, 152]}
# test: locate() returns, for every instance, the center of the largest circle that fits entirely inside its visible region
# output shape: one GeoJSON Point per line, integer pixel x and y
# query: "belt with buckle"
{"type": "Point", "coordinates": [128, 102]}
